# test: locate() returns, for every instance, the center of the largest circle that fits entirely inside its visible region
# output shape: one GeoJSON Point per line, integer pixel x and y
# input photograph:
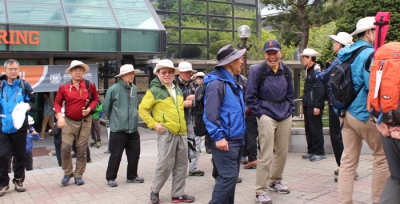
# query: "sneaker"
{"type": "Point", "coordinates": [306, 156]}
{"type": "Point", "coordinates": [196, 173]}
{"type": "Point", "coordinates": [112, 183]}
{"type": "Point", "coordinates": [317, 157]}
{"type": "Point", "coordinates": [98, 144]}
{"type": "Point", "coordinates": [93, 143]}
{"type": "Point", "coordinates": [54, 154]}
{"type": "Point", "coordinates": [263, 199]}
{"type": "Point", "coordinates": [183, 199]}
{"type": "Point", "coordinates": [136, 180]}
{"type": "Point", "coordinates": [79, 181]}
{"type": "Point", "coordinates": [3, 190]}
{"type": "Point", "coordinates": [208, 151]}
{"type": "Point", "coordinates": [243, 160]}
{"type": "Point", "coordinates": [279, 187]}
{"type": "Point", "coordinates": [89, 161]}
{"type": "Point", "coordinates": [107, 151]}
{"type": "Point", "coordinates": [154, 199]}
{"type": "Point", "coordinates": [18, 185]}
{"type": "Point", "coordinates": [66, 178]}
{"type": "Point", "coordinates": [251, 165]}
{"type": "Point", "coordinates": [239, 180]}
{"type": "Point", "coordinates": [336, 172]}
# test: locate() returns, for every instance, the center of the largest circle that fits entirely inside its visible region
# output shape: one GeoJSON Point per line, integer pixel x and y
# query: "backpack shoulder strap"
{"type": "Point", "coordinates": [87, 84]}
{"type": "Point", "coordinates": [1, 87]}
{"type": "Point", "coordinates": [368, 62]}
{"type": "Point", "coordinates": [286, 71]}
{"type": "Point", "coordinates": [264, 73]}
{"type": "Point", "coordinates": [23, 85]}
{"type": "Point", "coordinates": [355, 54]}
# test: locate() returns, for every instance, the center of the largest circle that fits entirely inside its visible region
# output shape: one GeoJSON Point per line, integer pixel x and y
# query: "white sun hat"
{"type": "Point", "coordinates": [364, 24]}
{"type": "Point", "coordinates": [342, 38]}
{"type": "Point", "coordinates": [77, 63]}
{"type": "Point", "coordinates": [127, 68]}
{"type": "Point", "coordinates": [165, 63]}
{"type": "Point", "coordinates": [198, 74]}
{"type": "Point", "coordinates": [186, 67]}
{"type": "Point", "coordinates": [310, 52]}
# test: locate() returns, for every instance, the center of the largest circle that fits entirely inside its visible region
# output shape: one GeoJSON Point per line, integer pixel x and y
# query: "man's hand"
{"type": "Point", "coordinates": [222, 145]}
{"type": "Point", "coordinates": [383, 129]}
{"type": "Point", "coordinates": [187, 103]}
{"type": "Point", "coordinates": [395, 132]}
{"type": "Point", "coordinates": [160, 128]}
{"type": "Point", "coordinates": [86, 111]}
{"type": "Point", "coordinates": [190, 97]}
{"type": "Point", "coordinates": [60, 121]}
{"type": "Point", "coordinates": [317, 67]}
{"type": "Point", "coordinates": [317, 111]}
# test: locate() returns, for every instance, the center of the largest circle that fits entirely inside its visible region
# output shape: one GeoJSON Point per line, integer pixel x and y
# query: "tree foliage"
{"type": "Point", "coordinates": [299, 16]}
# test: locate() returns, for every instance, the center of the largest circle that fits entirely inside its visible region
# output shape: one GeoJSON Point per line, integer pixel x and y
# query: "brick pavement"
{"type": "Point", "coordinates": [310, 182]}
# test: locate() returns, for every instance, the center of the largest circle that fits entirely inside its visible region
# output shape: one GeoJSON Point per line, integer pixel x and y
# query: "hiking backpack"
{"type": "Point", "coordinates": [340, 86]}
{"type": "Point", "coordinates": [198, 122]}
{"type": "Point", "coordinates": [264, 75]}
{"type": "Point", "coordinates": [383, 96]}
{"type": "Point", "coordinates": [23, 85]}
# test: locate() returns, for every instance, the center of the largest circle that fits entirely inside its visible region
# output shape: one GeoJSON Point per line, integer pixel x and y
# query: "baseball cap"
{"type": "Point", "coordinates": [272, 45]}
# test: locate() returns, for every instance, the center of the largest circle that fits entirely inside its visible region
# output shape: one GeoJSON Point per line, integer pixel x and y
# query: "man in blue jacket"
{"type": "Point", "coordinates": [357, 126]}
{"type": "Point", "coordinates": [272, 102]}
{"type": "Point", "coordinates": [224, 118]}
{"type": "Point", "coordinates": [12, 140]}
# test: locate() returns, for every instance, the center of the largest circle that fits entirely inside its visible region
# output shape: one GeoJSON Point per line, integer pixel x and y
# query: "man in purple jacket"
{"type": "Point", "coordinates": [269, 94]}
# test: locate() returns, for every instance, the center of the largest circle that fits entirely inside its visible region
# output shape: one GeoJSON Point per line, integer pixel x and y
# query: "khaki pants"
{"type": "Point", "coordinates": [47, 119]}
{"type": "Point", "coordinates": [271, 135]}
{"type": "Point", "coordinates": [69, 134]}
{"type": "Point", "coordinates": [354, 131]}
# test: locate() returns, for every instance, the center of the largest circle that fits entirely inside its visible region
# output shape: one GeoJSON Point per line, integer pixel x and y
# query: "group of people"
{"type": "Point", "coordinates": [232, 106]}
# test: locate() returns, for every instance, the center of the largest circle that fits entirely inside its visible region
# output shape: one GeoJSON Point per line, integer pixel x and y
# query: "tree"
{"type": "Point", "coordinates": [299, 16]}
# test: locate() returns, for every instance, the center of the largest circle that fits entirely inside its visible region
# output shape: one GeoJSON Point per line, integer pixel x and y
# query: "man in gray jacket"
{"type": "Point", "coordinates": [120, 107]}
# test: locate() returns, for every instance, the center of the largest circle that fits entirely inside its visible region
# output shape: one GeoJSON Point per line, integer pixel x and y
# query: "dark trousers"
{"type": "Point", "coordinates": [250, 145]}
{"type": "Point", "coordinates": [336, 135]}
{"type": "Point", "coordinates": [12, 144]}
{"type": "Point", "coordinates": [29, 161]}
{"type": "Point", "coordinates": [391, 191]}
{"type": "Point", "coordinates": [74, 150]}
{"type": "Point", "coordinates": [208, 142]}
{"type": "Point", "coordinates": [228, 164]}
{"type": "Point", "coordinates": [95, 131]}
{"type": "Point", "coordinates": [314, 133]}
{"type": "Point", "coordinates": [118, 142]}
{"type": "Point", "coordinates": [57, 145]}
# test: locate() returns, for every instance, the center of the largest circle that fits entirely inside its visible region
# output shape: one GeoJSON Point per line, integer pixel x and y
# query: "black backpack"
{"type": "Point", "coordinates": [340, 86]}
{"type": "Point", "coordinates": [264, 76]}
{"type": "Point", "coordinates": [23, 85]}
{"type": "Point", "coordinates": [197, 112]}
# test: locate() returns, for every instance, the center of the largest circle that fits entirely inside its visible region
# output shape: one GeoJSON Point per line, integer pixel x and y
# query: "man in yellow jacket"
{"type": "Point", "coordinates": [165, 100]}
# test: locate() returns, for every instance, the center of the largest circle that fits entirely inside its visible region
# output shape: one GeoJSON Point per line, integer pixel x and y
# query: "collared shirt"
{"type": "Point", "coordinates": [171, 91]}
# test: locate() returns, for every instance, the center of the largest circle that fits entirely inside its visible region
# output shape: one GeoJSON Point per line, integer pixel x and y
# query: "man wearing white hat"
{"type": "Point", "coordinates": [313, 106]}
{"type": "Point", "coordinates": [166, 102]}
{"type": "Point", "coordinates": [357, 126]}
{"type": "Point", "coordinates": [120, 108]}
{"type": "Point", "coordinates": [80, 98]}
{"type": "Point", "coordinates": [340, 40]}
{"type": "Point", "coordinates": [183, 80]}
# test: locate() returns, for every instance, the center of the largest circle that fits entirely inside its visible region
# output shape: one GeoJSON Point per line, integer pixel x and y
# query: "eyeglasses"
{"type": "Point", "coordinates": [13, 69]}
{"type": "Point", "coordinates": [166, 72]}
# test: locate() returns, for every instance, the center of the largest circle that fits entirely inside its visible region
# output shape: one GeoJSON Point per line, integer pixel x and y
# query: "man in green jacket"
{"type": "Point", "coordinates": [120, 108]}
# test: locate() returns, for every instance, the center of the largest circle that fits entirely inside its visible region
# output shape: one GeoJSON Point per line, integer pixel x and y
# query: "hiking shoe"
{"type": "Point", "coordinates": [154, 199]}
{"type": "Point", "coordinates": [98, 144]}
{"type": "Point", "coordinates": [317, 157]}
{"type": "Point", "coordinates": [208, 151]}
{"type": "Point", "coordinates": [336, 172]}
{"type": "Point", "coordinates": [196, 173]}
{"type": "Point", "coordinates": [183, 199]}
{"type": "Point", "coordinates": [279, 187]}
{"type": "Point", "coordinates": [306, 156]}
{"type": "Point", "coordinates": [251, 165]}
{"type": "Point", "coordinates": [239, 180]}
{"type": "Point", "coordinates": [89, 161]}
{"type": "Point", "coordinates": [112, 183]}
{"type": "Point", "coordinates": [243, 160]}
{"type": "Point", "coordinates": [107, 151]}
{"type": "Point", "coordinates": [3, 190]}
{"type": "Point", "coordinates": [93, 143]}
{"type": "Point", "coordinates": [263, 199]}
{"type": "Point", "coordinates": [66, 178]}
{"type": "Point", "coordinates": [136, 180]}
{"type": "Point", "coordinates": [79, 181]}
{"type": "Point", "coordinates": [18, 185]}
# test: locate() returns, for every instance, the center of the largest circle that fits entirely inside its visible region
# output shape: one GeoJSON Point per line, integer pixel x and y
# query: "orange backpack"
{"type": "Point", "coordinates": [383, 98]}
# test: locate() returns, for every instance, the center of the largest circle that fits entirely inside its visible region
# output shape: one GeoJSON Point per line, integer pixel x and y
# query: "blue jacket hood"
{"type": "Point", "coordinates": [346, 52]}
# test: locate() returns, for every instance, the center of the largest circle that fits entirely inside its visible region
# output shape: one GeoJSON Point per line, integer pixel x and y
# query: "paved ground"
{"type": "Point", "coordinates": [310, 182]}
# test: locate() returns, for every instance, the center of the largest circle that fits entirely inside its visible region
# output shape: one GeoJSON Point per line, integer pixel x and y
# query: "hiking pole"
{"type": "Point", "coordinates": [83, 118]}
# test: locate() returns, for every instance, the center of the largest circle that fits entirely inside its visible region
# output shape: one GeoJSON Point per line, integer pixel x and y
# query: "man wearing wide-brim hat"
{"type": "Point", "coordinates": [356, 125]}
{"type": "Point", "coordinates": [224, 119]}
{"type": "Point", "coordinates": [120, 108]}
{"type": "Point", "coordinates": [165, 101]}
{"type": "Point", "coordinates": [80, 98]}
{"type": "Point", "coordinates": [313, 106]}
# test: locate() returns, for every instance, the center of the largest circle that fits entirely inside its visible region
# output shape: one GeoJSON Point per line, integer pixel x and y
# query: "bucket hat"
{"type": "Point", "coordinates": [310, 52]}
{"type": "Point", "coordinates": [165, 63]}
{"type": "Point", "coordinates": [198, 74]}
{"type": "Point", "coordinates": [342, 38]}
{"type": "Point", "coordinates": [227, 54]}
{"type": "Point", "coordinates": [127, 68]}
{"type": "Point", "coordinates": [186, 67]}
{"type": "Point", "coordinates": [77, 63]}
{"type": "Point", "coordinates": [364, 24]}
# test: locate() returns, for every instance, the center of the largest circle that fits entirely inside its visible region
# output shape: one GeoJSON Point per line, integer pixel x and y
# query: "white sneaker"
{"type": "Point", "coordinates": [279, 187]}
{"type": "Point", "coordinates": [263, 199]}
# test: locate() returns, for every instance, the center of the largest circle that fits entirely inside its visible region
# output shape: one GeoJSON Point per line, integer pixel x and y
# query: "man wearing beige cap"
{"type": "Point", "coordinates": [80, 98]}
{"type": "Point", "coordinates": [165, 100]}
{"type": "Point", "coordinates": [188, 90]}
{"type": "Point", "coordinates": [120, 108]}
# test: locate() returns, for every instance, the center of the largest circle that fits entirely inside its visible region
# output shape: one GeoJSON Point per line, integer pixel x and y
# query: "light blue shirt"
{"type": "Point", "coordinates": [48, 107]}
